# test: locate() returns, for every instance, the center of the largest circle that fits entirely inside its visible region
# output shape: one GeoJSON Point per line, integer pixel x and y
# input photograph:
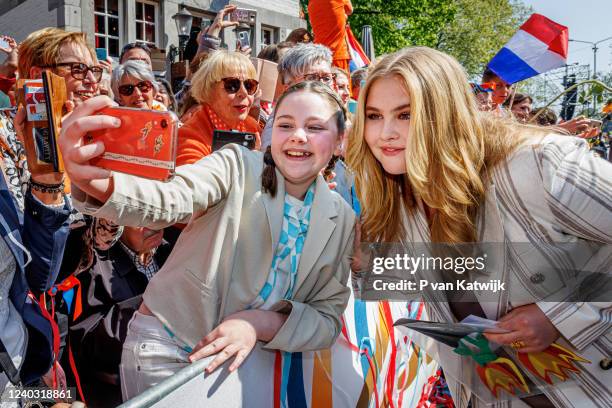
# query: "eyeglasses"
{"type": "Point", "coordinates": [79, 70]}
{"type": "Point", "coordinates": [325, 78]}
{"type": "Point", "coordinates": [143, 86]}
{"type": "Point", "coordinates": [232, 85]}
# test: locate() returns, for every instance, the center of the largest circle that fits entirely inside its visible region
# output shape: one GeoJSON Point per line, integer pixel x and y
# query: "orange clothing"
{"type": "Point", "coordinates": [328, 21]}
{"type": "Point", "coordinates": [196, 135]}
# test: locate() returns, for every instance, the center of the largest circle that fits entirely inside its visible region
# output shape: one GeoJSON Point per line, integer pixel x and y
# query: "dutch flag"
{"type": "Point", "coordinates": [538, 46]}
{"type": "Point", "coordinates": [359, 59]}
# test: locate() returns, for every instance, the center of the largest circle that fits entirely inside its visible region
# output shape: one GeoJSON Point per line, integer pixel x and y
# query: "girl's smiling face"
{"type": "Point", "coordinates": [387, 123]}
{"type": "Point", "coordinates": [304, 137]}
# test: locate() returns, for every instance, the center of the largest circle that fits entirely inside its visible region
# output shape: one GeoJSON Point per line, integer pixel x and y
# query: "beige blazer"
{"type": "Point", "coordinates": [549, 191]}
{"type": "Point", "coordinates": [223, 257]}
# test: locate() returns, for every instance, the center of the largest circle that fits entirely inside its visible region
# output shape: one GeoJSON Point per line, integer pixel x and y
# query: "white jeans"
{"type": "Point", "coordinates": [150, 355]}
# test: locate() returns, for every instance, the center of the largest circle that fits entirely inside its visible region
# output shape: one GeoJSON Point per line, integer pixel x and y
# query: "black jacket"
{"type": "Point", "coordinates": [111, 292]}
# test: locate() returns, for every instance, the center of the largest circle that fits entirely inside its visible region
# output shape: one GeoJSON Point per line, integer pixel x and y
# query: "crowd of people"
{"type": "Point", "coordinates": [111, 283]}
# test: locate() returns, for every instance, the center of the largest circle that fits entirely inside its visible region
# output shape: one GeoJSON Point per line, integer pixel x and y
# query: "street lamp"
{"type": "Point", "coordinates": [595, 49]}
{"type": "Point", "coordinates": [183, 20]}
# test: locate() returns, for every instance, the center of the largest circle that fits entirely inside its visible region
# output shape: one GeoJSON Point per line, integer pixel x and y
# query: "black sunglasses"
{"type": "Point", "coordinates": [79, 70]}
{"type": "Point", "coordinates": [143, 86]}
{"type": "Point", "coordinates": [232, 85]}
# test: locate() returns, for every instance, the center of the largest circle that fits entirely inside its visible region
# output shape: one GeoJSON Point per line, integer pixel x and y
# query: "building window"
{"type": "Point", "coordinates": [108, 15]}
{"type": "Point", "coordinates": [146, 19]}
{"type": "Point", "coordinates": [269, 35]}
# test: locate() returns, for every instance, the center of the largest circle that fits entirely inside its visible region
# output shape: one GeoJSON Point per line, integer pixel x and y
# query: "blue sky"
{"type": "Point", "coordinates": [588, 20]}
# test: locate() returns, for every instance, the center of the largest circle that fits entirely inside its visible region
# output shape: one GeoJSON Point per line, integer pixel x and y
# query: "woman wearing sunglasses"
{"type": "Point", "coordinates": [134, 86]}
{"type": "Point", "coordinates": [225, 87]}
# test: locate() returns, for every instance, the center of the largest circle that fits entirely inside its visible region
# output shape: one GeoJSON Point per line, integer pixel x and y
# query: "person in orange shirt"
{"type": "Point", "coordinates": [225, 87]}
{"type": "Point", "coordinates": [328, 20]}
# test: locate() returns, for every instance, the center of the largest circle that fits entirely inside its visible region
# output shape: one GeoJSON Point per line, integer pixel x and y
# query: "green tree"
{"type": "Point", "coordinates": [398, 23]}
{"type": "Point", "coordinates": [401, 23]}
{"type": "Point", "coordinates": [479, 29]}
{"type": "Point", "coordinates": [470, 30]}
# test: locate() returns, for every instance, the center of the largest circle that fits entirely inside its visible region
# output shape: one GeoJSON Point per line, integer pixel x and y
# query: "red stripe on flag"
{"type": "Point", "coordinates": [544, 29]}
{"type": "Point", "coordinates": [560, 44]}
{"type": "Point", "coordinates": [278, 374]}
{"type": "Point", "coordinates": [355, 45]}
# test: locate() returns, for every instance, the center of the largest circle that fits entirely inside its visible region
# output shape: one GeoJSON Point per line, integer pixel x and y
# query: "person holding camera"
{"type": "Point", "coordinates": [225, 86]}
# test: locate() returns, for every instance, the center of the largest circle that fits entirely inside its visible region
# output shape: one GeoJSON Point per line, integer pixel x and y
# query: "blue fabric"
{"type": "Point", "coordinates": [509, 67]}
{"type": "Point", "coordinates": [296, 396]}
{"type": "Point", "coordinates": [43, 232]}
{"type": "Point", "coordinates": [290, 245]}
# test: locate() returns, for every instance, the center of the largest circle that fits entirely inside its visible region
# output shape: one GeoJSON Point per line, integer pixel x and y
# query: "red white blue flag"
{"type": "Point", "coordinates": [538, 46]}
{"type": "Point", "coordinates": [359, 59]}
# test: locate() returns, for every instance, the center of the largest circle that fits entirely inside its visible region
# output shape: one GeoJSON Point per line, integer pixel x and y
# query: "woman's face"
{"type": "Point", "coordinates": [522, 110]}
{"type": "Point", "coordinates": [162, 96]}
{"type": "Point", "coordinates": [387, 123]}
{"type": "Point", "coordinates": [304, 137]}
{"type": "Point", "coordinates": [232, 105]}
{"type": "Point", "coordinates": [80, 89]}
{"type": "Point", "coordinates": [135, 92]}
{"type": "Point", "coordinates": [342, 84]}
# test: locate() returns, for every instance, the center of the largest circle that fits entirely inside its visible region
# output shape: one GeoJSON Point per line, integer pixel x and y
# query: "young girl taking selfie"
{"type": "Point", "coordinates": [265, 255]}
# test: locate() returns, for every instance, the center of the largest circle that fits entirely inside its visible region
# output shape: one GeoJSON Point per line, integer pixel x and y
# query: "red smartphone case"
{"type": "Point", "coordinates": [144, 145]}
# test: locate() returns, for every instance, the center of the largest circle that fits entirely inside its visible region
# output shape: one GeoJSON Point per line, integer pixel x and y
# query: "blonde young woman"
{"type": "Point", "coordinates": [431, 168]}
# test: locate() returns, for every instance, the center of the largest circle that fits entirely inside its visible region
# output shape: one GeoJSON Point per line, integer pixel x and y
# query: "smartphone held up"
{"type": "Point", "coordinates": [244, 40]}
{"type": "Point", "coordinates": [241, 15]}
{"type": "Point", "coordinates": [4, 44]}
{"type": "Point", "coordinates": [144, 145]}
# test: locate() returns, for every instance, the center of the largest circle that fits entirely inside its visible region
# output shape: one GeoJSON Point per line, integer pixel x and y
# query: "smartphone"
{"type": "Point", "coordinates": [144, 145]}
{"type": "Point", "coordinates": [223, 137]}
{"type": "Point", "coordinates": [243, 38]}
{"type": "Point", "coordinates": [241, 15]}
{"type": "Point", "coordinates": [101, 54]}
{"type": "Point", "coordinates": [4, 44]}
{"type": "Point", "coordinates": [205, 24]}
{"type": "Point", "coordinates": [594, 123]}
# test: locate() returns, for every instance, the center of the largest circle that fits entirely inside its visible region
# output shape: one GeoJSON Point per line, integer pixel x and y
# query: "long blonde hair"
{"type": "Point", "coordinates": [450, 146]}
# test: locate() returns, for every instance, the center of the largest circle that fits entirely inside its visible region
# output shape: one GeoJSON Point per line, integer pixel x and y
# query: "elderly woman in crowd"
{"type": "Point", "coordinates": [134, 86]}
{"type": "Point", "coordinates": [225, 87]}
{"type": "Point", "coordinates": [341, 80]}
{"type": "Point", "coordinates": [165, 95]}
{"type": "Point", "coordinates": [304, 62]}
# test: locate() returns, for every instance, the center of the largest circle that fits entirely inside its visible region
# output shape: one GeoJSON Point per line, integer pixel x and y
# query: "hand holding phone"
{"type": "Point", "coordinates": [4, 45]}
{"type": "Point", "coordinates": [144, 145]}
{"type": "Point", "coordinates": [244, 40]}
{"type": "Point", "coordinates": [595, 123]}
{"type": "Point", "coordinates": [7, 44]}
{"type": "Point", "coordinates": [223, 137]}
{"type": "Point", "coordinates": [219, 23]}
{"type": "Point", "coordinates": [241, 15]}
{"type": "Point", "coordinates": [101, 54]}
